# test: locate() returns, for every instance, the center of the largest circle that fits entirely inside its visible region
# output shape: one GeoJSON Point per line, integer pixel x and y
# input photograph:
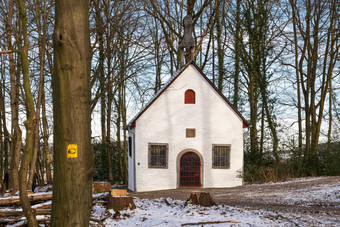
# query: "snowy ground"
{"type": "Point", "coordinates": [157, 213]}
{"type": "Point", "coordinates": [301, 202]}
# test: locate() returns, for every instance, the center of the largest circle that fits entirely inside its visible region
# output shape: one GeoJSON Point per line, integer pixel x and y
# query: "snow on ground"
{"type": "Point", "coordinates": [322, 193]}
{"type": "Point", "coordinates": [171, 212]}
{"type": "Point", "coordinates": [157, 213]}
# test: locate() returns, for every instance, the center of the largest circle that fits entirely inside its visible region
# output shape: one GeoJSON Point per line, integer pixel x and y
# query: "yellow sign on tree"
{"type": "Point", "coordinates": [72, 151]}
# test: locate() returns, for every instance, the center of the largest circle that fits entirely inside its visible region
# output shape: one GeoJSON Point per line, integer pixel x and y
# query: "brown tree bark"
{"type": "Point", "coordinates": [17, 134]}
{"type": "Point", "coordinates": [42, 29]}
{"type": "Point", "coordinates": [316, 46]}
{"type": "Point", "coordinates": [45, 139]}
{"type": "Point", "coordinates": [2, 112]}
{"type": "Point", "coordinates": [73, 155]}
{"type": "Point", "coordinates": [237, 43]}
{"type": "Point", "coordinates": [29, 123]}
{"type": "Point", "coordinates": [219, 18]}
{"type": "Point", "coordinates": [5, 136]}
{"type": "Point", "coordinates": [100, 29]}
{"type": "Point", "coordinates": [108, 132]}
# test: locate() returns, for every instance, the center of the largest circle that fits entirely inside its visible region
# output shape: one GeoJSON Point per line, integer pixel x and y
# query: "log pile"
{"type": "Point", "coordinates": [33, 198]}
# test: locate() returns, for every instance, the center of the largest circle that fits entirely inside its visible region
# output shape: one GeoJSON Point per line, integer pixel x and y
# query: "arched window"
{"type": "Point", "coordinates": [189, 97]}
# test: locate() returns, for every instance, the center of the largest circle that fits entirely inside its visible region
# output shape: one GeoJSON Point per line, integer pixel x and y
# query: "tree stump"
{"type": "Point", "coordinates": [118, 203]}
{"type": "Point", "coordinates": [201, 198]}
{"type": "Point", "coordinates": [118, 192]}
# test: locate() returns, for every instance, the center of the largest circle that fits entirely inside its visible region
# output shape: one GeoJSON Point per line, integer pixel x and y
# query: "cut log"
{"type": "Point", "coordinates": [15, 200]}
{"type": "Point", "coordinates": [201, 198]}
{"type": "Point", "coordinates": [20, 221]}
{"type": "Point", "coordinates": [11, 213]}
{"type": "Point", "coordinates": [100, 187]}
{"type": "Point", "coordinates": [210, 222]}
{"type": "Point", "coordinates": [118, 203]}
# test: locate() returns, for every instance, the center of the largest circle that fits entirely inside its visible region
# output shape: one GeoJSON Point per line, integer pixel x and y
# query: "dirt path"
{"type": "Point", "coordinates": [305, 200]}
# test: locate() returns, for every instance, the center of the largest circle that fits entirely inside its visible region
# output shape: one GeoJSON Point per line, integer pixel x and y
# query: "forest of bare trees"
{"type": "Point", "coordinates": [276, 61]}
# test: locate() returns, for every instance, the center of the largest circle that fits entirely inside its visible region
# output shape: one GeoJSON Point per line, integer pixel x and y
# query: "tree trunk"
{"type": "Point", "coordinates": [125, 150]}
{"type": "Point", "coordinates": [16, 135]}
{"type": "Point", "coordinates": [108, 134]}
{"type": "Point", "coordinates": [220, 50]}
{"type": "Point", "coordinates": [42, 42]}
{"type": "Point", "coordinates": [5, 136]}
{"type": "Point", "coordinates": [73, 154]}
{"type": "Point", "coordinates": [315, 41]}
{"type": "Point", "coordinates": [2, 112]}
{"type": "Point", "coordinates": [237, 43]}
{"type": "Point", "coordinates": [29, 123]}
{"type": "Point", "coordinates": [100, 35]}
{"type": "Point", "coordinates": [45, 138]}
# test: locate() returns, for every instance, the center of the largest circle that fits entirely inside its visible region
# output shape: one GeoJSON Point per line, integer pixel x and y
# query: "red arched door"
{"type": "Point", "coordinates": [190, 170]}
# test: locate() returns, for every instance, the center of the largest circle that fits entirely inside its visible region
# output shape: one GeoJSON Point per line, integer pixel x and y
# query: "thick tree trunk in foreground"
{"type": "Point", "coordinates": [73, 156]}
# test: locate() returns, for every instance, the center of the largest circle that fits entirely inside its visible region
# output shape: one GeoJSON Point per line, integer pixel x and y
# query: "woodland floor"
{"type": "Point", "coordinates": [313, 201]}
{"type": "Point", "coordinates": [296, 201]}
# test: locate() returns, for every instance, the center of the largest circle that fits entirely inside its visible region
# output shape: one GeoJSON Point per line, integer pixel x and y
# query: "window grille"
{"type": "Point", "coordinates": [221, 156]}
{"type": "Point", "coordinates": [158, 155]}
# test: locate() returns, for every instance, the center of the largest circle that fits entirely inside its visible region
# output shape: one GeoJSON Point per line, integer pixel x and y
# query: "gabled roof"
{"type": "Point", "coordinates": [132, 123]}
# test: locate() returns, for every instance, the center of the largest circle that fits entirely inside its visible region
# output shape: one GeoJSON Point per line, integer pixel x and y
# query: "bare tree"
{"type": "Point", "coordinates": [30, 122]}
{"type": "Point", "coordinates": [41, 22]}
{"type": "Point", "coordinates": [316, 49]}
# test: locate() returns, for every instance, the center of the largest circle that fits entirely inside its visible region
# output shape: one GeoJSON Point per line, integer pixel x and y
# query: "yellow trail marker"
{"type": "Point", "coordinates": [72, 151]}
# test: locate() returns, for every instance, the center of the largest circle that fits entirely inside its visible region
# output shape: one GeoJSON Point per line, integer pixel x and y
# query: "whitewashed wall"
{"type": "Point", "coordinates": [131, 162]}
{"type": "Point", "coordinates": [166, 120]}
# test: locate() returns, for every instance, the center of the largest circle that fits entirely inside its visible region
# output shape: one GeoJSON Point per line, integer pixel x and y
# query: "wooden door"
{"type": "Point", "coordinates": [190, 170]}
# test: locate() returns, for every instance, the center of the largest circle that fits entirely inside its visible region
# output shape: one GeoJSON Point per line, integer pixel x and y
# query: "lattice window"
{"type": "Point", "coordinates": [221, 156]}
{"type": "Point", "coordinates": [158, 155]}
{"type": "Point", "coordinates": [189, 97]}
